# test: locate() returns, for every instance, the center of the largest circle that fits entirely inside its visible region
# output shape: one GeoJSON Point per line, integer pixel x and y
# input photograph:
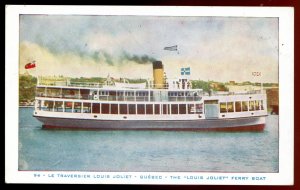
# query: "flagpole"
{"type": "Point", "coordinates": [36, 74]}
{"type": "Point", "coordinates": [258, 74]}
{"type": "Point", "coordinates": [35, 70]}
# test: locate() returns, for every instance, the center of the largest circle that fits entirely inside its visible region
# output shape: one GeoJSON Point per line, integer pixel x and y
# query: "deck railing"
{"type": "Point", "coordinates": [238, 93]}
{"type": "Point", "coordinates": [121, 98]}
{"type": "Point", "coordinates": [71, 84]}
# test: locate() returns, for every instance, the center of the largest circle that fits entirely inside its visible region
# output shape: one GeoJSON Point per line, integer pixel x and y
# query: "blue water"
{"type": "Point", "coordinates": [130, 151]}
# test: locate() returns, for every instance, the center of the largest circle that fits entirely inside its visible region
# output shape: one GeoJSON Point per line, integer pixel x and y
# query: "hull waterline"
{"type": "Point", "coordinates": [240, 124]}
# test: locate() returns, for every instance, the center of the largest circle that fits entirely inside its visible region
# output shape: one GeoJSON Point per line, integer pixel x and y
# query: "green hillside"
{"type": "Point", "coordinates": [27, 84]}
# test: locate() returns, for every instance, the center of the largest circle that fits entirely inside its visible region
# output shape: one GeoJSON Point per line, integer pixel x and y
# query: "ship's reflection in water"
{"type": "Point", "coordinates": [146, 150]}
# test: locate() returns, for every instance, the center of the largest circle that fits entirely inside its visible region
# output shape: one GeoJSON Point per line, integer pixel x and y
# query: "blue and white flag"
{"type": "Point", "coordinates": [185, 71]}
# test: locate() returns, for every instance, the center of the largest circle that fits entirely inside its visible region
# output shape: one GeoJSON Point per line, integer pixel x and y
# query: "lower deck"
{"type": "Point", "coordinates": [209, 114]}
{"type": "Point", "coordinates": [212, 108]}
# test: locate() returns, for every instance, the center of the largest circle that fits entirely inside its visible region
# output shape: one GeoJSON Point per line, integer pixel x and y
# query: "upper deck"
{"type": "Point", "coordinates": [124, 91]}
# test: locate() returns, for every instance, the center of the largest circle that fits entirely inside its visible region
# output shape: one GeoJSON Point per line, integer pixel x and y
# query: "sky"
{"type": "Point", "coordinates": [215, 48]}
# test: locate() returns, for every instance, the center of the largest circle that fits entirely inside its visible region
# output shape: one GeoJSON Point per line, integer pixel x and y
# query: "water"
{"type": "Point", "coordinates": [55, 150]}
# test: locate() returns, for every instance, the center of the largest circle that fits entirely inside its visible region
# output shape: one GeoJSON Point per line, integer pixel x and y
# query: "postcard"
{"type": "Point", "coordinates": [149, 95]}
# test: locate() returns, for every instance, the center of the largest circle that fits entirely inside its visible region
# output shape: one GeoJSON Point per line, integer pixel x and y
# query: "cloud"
{"type": "Point", "coordinates": [73, 65]}
{"type": "Point", "coordinates": [216, 48]}
{"type": "Point", "coordinates": [116, 44]}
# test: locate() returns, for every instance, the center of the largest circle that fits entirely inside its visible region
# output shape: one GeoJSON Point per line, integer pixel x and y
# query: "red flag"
{"type": "Point", "coordinates": [30, 65]}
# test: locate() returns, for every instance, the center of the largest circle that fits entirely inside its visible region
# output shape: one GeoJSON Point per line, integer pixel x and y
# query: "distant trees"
{"type": "Point", "coordinates": [221, 87]}
{"type": "Point", "coordinates": [92, 79]}
{"type": "Point", "coordinates": [207, 86]}
{"type": "Point", "coordinates": [137, 80]}
{"type": "Point", "coordinates": [27, 84]}
{"type": "Point", "coordinates": [201, 85]}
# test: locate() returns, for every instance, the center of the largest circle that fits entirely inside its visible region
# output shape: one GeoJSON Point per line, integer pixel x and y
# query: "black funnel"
{"type": "Point", "coordinates": [157, 65]}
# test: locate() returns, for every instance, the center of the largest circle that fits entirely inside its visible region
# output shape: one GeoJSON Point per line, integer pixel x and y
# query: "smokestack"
{"type": "Point", "coordinates": [158, 74]}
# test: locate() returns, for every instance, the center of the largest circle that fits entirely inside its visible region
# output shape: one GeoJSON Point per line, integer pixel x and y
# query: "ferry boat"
{"type": "Point", "coordinates": [158, 104]}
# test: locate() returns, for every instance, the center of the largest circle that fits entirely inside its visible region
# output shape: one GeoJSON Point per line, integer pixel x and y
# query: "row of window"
{"type": "Point", "coordinates": [104, 108]}
{"type": "Point", "coordinates": [182, 94]}
{"type": "Point", "coordinates": [57, 92]}
{"type": "Point", "coordinates": [240, 106]}
{"type": "Point", "coordinates": [144, 98]}
{"type": "Point", "coordinates": [122, 93]}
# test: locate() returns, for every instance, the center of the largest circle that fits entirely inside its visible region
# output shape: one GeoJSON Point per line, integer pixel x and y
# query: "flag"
{"type": "Point", "coordinates": [185, 71]}
{"type": "Point", "coordinates": [30, 65]}
{"type": "Point", "coordinates": [171, 48]}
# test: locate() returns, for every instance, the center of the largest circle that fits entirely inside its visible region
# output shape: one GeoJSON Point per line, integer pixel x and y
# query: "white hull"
{"type": "Point", "coordinates": [237, 124]}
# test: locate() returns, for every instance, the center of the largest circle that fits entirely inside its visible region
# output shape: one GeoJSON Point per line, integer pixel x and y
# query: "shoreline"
{"type": "Point", "coordinates": [26, 106]}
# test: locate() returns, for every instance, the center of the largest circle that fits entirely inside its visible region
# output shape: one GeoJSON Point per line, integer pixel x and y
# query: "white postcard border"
{"type": "Point", "coordinates": [286, 100]}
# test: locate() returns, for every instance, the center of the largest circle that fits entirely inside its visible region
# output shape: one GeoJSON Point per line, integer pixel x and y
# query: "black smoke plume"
{"type": "Point", "coordinates": [143, 59]}
{"type": "Point", "coordinates": [124, 57]}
